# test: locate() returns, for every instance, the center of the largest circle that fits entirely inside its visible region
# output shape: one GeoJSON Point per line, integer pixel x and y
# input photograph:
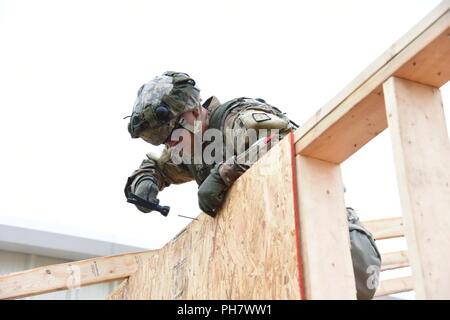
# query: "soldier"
{"type": "Point", "coordinates": [168, 111]}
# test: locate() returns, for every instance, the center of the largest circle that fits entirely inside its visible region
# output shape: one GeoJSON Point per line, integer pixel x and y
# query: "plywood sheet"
{"type": "Point", "coordinates": [249, 251]}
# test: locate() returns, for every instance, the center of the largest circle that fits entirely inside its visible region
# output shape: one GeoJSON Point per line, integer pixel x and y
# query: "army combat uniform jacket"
{"type": "Point", "coordinates": [236, 117]}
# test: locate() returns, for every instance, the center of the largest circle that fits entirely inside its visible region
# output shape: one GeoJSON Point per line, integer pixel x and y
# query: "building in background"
{"type": "Point", "coordinates": [27, 244]}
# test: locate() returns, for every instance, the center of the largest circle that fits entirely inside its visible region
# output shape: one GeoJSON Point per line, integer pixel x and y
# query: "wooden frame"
{"type": "Point", "coordinates": [422, 157]}
{"type": "Point", "coordinates": [357, 114]}
{"type": "Point", "coordinates": [325, 242]}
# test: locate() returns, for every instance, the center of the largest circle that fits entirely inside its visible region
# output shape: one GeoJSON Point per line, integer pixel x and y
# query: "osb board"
{"type": "Point", "coordinates": [247, 252]}
{"type": "Point", "coordinates": [120, 292]}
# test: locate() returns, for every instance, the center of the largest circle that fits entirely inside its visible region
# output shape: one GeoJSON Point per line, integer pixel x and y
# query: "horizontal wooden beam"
{"type": "Point", "coordinates": [386, 228]}
{"type": "Point", "coordinates": [394, 260]}
{"type": "Point", "coordinates": [327, 262]}
{"type": "Point", "coordinates": [69, 275]}
{"type": "Point", "coordinates": [392, 286]}
{"type": "Point", "coordinates": [357, 114]}
{"type": "Point", "coordinates": [105, 269]}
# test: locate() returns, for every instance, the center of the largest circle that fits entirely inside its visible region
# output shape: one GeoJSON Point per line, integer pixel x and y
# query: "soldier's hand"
{"type": "Point", "coordinates": [211, 193]}
{"type": "Point", "coordinates": [147, 189]}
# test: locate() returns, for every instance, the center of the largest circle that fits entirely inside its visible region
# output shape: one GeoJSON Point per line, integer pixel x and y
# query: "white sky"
{"type": "Point", "coordinates": [70, 70]}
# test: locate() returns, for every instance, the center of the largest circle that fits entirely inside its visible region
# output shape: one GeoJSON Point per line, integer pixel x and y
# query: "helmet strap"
{"type": "Point", "coordinates": [198, 122]}
{"type": "Point", "coordinates": [195, 129]}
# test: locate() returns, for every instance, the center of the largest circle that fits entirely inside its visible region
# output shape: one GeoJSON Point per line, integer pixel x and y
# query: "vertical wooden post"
{"type": "Point", "coordinates": [324, 237]}
{"type": "Point", "coordinates": [422, 157]}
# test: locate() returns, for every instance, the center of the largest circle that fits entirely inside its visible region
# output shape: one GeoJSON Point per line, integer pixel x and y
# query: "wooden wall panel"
{"type": "Point", "coordinates": [247, 252]}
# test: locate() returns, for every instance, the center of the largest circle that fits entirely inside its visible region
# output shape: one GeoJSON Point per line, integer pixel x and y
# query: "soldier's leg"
{"type": "Point", "coordinates": [365, 257]}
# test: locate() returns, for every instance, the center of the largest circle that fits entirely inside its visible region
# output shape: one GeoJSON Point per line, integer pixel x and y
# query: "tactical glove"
{"type": "Point", "coordinates": [147, 189]}
{"type": "Point", "coordinates": [211, 193]}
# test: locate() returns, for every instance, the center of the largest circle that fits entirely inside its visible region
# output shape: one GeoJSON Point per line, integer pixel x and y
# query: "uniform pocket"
{"type": "Point", "coordinates": [256, 119]}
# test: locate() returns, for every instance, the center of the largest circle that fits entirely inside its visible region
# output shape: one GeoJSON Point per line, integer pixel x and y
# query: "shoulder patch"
{"type": "Point", "coordinates": [260, 117]}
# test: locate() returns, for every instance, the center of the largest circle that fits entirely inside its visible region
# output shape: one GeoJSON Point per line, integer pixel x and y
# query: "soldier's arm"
{"type": "Point", "coordinates": [153, 175]}
{"type": "Point", "coordinates": [266, 124]}
{"type": "Point", "coordinates": [212, 191]}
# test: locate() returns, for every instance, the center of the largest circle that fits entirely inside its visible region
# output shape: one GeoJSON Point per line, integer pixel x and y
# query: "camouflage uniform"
{"type": "Point", "coordinates": [215, 179]}
{"type": "Point", "coordinates": [165, 172]}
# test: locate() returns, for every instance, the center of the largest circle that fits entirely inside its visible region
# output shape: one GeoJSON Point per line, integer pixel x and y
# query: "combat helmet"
{"type": "Point", "coordinates": [159, 105]}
